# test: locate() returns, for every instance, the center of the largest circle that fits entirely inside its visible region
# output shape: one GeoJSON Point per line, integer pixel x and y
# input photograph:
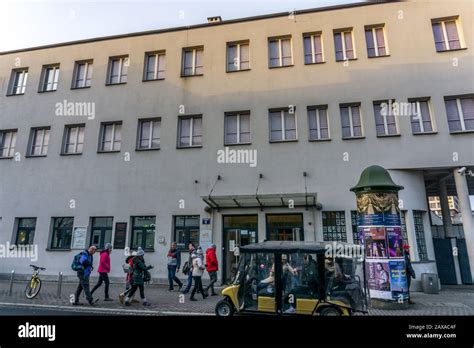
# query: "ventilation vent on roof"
{"type": "Point", "coordinates": [215, 19]}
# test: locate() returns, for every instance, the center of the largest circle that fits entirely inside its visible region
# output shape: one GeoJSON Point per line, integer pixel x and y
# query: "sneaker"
{"type": "Point", "coordinates": [192, 299]}
{"type": "Point", "coordinates": [290, 310]}
{"type": "Point", "coordinates": [170, 289]}
{"type": "Point", "coordinates": [93, 301]}
{"type": "Point", "coordinates": [78, 304]}
{"type": "Point", "coordinates": [146, 304]}
{"type": "Point", "coordinates": [180, 286]}
{"type": "Point", "coordinates": [204, 296]}
{"type": "Point", "coordinates": [121, 298]}
{"type": "Point", "coordinates": [108, 299]}
{"type": "Point", "coordinates": [127, 303]}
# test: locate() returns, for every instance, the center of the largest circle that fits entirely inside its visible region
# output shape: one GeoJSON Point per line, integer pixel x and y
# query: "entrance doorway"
{"type": "Point", "coordinates": [238, 230]}
{"type": "Point", "coordinates": [284, 227]}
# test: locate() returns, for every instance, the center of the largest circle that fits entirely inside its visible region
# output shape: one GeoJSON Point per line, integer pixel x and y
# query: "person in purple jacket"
{"type": "Point", "coordinates": [104, 269]}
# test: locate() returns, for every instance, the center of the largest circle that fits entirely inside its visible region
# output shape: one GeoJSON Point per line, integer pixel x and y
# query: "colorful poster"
{"type": "Point", "coordinates": [395, 242]}
{"type": "Point", "coordinates": [361, 235]}
{"type": "Point", "coordinates": [378, 208]}
{"type": "Point", "coordinates": [375, 242]}
{"type": "Point", "coordinates": [378, 279]}
{"type": "Point", "coordinates": [398, 279]}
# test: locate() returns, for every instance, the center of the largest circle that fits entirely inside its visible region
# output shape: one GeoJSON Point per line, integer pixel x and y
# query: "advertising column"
{"type": "Point", "coordinates": [379, 226]}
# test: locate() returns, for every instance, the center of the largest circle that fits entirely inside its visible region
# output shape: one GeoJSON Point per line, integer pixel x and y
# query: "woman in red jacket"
{"type": "Point", "coordinates": [104, 269]}
{"type": "Point", "coordinates": [212, 267]}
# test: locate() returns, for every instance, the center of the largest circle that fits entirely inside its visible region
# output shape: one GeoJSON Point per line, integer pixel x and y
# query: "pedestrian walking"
{"type": "Point", "coordinates": [410, 272]}
{"type": "Point", "coordinates": [198, 270]}
{"type": "Point", "coordinates": [174, 263]}
{"type": "Point", "coordinates": [139, 275]}
{"type": "Point", "coordinates": [104, 270]}
{"type": "Point", "coordinates": [191, 249]}
{"type": "Point", "coordinates": [212, 266]}
{"type": "Point", "coordinates": [83, 265]}
{"type": "Point", "coordinates": [128, 269]}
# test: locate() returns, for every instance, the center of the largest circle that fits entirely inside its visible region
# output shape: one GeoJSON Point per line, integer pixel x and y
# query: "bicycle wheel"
{"type": "Point", "coordinates": [33, 287]}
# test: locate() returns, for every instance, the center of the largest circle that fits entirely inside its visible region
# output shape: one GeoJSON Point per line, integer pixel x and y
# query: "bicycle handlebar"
{"type": "Point", "coordinates": [36, 268]}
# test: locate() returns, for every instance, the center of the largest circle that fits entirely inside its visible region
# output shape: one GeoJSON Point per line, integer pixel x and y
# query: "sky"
{"type": "Point", "coordinates": [29, 23]}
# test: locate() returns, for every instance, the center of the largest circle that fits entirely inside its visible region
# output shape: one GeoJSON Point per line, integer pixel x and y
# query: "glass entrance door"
{"type": "Point", "coordinates": [239, 230]}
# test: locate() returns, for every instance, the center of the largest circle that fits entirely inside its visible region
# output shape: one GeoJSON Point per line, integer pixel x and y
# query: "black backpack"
{"type": "Point", "coordinates": [186, 268]}
{"type": "Point", "coordinates": [146, 277]}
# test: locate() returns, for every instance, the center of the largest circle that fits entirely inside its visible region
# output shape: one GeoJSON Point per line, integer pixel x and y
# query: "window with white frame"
{"type": "Point", "coordinates": [73, 139]}
{"type": "Point", "coordinates": [192, 61]}
{"type": "Point", "coordinates": [18, 81]}
{"type": "Point", "coordinates": [280, 52]}
{"type": "Point", "coordinates": [421, 120]}
{"type": "Point", "coordinates": [7, 143]}
{"type": "Point", "coordinates": [39, 141]}
{"type": "Point", "coordinates": [238, 56]}
{"type": "Point", "coordinates": [376, 41]}
{"type": "Point", "coordinates": [118, 69]}
{"type": "Point", "coordinates": [149, 133]}
{"type": "Point", "coordinates": [385, 121]}
{"type": "Point", "coordinates": [313, 48]}
{"type": "Point", "coordinates": [155, 66]}
{"type": "Point", "coordinates": [110, 137]}
{"type": "Point", "coordinates": [237, 128]}
{"type": "Point", "coordinates": [344, 45]}
{"type": "Point", "coordinates": [318, 122]}
{"type": "Point", "coordinates": [351, 121]}
{"type": "Point", "coordinates": [50, 78]}
{"type": "Point", "coordinates": [283, 124]}
{"type": "Point", "coordinates": [446, 34]}
{"type": "Point", "coordinates": [83, 74]}
{"type": "Point", "coordinates": [460, 112]}
{"type": "Point", "coordinates": [190, 131]}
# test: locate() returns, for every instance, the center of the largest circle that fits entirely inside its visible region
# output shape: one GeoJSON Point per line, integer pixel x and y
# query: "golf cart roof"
{"type": "Point", "coordinates": [287, 247]}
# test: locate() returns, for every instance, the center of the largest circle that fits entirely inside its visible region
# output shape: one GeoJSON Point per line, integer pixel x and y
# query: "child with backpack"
{"type": "Point", "coordinates": [140, 275]}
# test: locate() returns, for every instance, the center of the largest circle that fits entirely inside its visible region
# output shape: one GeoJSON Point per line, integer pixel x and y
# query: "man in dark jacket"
{"type": "Point", "coordinates": [410, 272]}
{"type": "Point", "coordinates": [174, 262]}
{"type": "Point", "coordinates": [191, 249]}
{"type": "Point", "coordinates": [87, 262]}
{"type": "Point", "coordinates": [139, 268]}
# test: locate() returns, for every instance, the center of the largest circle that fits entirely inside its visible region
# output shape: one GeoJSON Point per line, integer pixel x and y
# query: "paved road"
{"type": "Point", "coordinates": [31, 311]}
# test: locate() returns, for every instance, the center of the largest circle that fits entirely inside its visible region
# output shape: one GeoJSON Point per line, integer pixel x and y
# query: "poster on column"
{"type": "Point", "coordinates": [378, 279]}
{"type": "Point", "coordinates": [369, 211]}
{"type": "Point", "coordinates": [375, 242]}
{"type": "Point", "coordinates": [395, 242]}
{"type": "Point", "coordinates": [391, 210]}
{"type": "Point", "coordinates": [398, 279]}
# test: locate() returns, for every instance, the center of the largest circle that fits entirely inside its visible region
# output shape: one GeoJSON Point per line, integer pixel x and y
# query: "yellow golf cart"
{"type": "Point", "coordinates": [287, 278]}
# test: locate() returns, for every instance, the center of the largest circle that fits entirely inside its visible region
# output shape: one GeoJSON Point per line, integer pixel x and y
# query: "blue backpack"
{"type": "Point", "coordinates": [76, 265]}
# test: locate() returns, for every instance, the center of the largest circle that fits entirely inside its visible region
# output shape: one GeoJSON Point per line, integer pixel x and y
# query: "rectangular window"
{"type": "Point", "coordinates": [280, 52]}
{"type": "Point", "coordinates": [447, 34]}
{"type": "Point", "coordinates": [282, 125]}
{"type": "Point", "coordinates": [118, 69]}
{"type": "Point", "coordinates": [237, 128]}
{"type": "Point", "coordinates": [334, 226]}
{"type": "Point", "coordinates": [101, 231]}
{"type": "Point", "coordinates": [420, 235]}
{"type": "Point", "coordinates": [318, 122]}
{"type": "Point", "coordinates": [7, 143]}
{"type": "Point", "coordinates": [375, 39]}
{"type": "Point", "coordinates": [192, 61]}
{"type": "Point", "coordinates": [460, 112]}
{"type": "Point", "coordinates": [143, 232]}
{"type": "Point", "coordinates": [285, 227]}
{"type": "Point", "coordinates": [83, 74]}
{"type": "Point", "coordinates": [343, 43]}
{"type": "Point", "coordinates": [120, 237]}
{"type": "Point", "coordinates": [155, 66]}
{"type": "Point", "coordinates": [186, 230]}
{"type": "Point", "coordinates": [355, 230]}
{"type": "Point", "coordinates": [39, 141]}
{"type": "Point", "coordinates": [421, 120]}
{"type": "Point", "coordinates": [149, 134]}
{"type": "Point", "coordinates": [313, 48]}
{"type": "Point", "coordinates": [385, 121]}
{"type": "Point", "coordinates": [50, 78]}
{"type": "Point", "coordinates": [403, 219]}
{"type": "Point", "coordinates": [110, 137]}
{"type": "Point", "coordinates": [18, 81]}
{"type": "Point", "coordinates": [190, 131]}
{"type": "Point", "coordinates": [62, 232]}
{"type": "Point", "coordinates": [351, 121]}
{"type": "Point", "coordinates": [73, 139]}
{"type": "Point", "coordinates": [25, 232]}
{"type": "Point", "coordinates": [238, 56]}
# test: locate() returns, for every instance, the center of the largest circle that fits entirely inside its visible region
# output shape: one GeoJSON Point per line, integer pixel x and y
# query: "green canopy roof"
{"type": "Point", "coordinates": [375, 178]}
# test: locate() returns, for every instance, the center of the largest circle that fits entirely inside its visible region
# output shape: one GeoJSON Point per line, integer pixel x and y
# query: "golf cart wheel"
{"type": "Point", "coordinates": [224, 309]}
{"type": "Point", "coordinates": [329, 311]}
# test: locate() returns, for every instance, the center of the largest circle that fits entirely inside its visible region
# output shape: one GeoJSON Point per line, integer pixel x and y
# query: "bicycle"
{"type": "Point", "coordinates": [34, 285]}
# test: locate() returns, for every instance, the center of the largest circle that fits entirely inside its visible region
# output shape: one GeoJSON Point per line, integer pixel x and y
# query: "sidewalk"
{"type": "Point", "coordinates": [451, 300]}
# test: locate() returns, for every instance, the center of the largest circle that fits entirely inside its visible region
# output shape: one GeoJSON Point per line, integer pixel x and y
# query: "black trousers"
{"type": "Point", "coordinates": [213, 276]}
{"type": "Point", "coordinates": [197, 287]}
{"type": "Point", "coordinates": [103, 278]}
{"type": "Point", "coordinates": [83, 285]}
{"type": "Point", "coordinates": [134, 288]}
